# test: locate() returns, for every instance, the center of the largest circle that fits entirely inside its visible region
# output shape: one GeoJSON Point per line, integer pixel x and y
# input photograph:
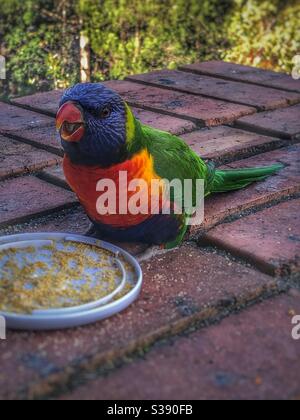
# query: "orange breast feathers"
{"type": "Point", "coordinates": [109, 194]}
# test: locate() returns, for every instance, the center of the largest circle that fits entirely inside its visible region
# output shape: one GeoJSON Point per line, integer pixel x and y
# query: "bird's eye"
{"type": "Point", "coordinates": [105, 112]}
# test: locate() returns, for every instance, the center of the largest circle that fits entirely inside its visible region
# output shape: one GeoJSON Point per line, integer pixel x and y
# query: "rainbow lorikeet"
{"type": "Point", "coordinates": [101, 138]}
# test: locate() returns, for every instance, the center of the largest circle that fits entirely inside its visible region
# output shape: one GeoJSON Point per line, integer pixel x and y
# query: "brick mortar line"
{"type": "Point", "coordinates": [186, 130]}
{"type": "Point", "coordinates": [257, 263]}
{"type": "Point", "coordinates": [174, 89]}
{"type": "Point", "coordinates": [17, 228]}
{"type": "Point", "coordinates": [53, 180]}
{"type": "Point", "coordinates": [27, 172]}
{"type": "Point", "coordinates": [250, 151]}
{"type": "Point", "coordinates": [264, 131]}
{"type": "Point", "coordinates": [34, 173]}
{"type": "Point", "coordinates": [256, 208]}
{"type": "Point", "coordinates": [32, 109]}
{"type": "Point", "coordinates": [198, 122]}
{"type": "Point", "coordinates": [293, 279]}
{"type": "Point", "coordinates": [26, 219]}
{"type": "Point", "coordinates": [265, 268]}
{"type": "Point", "coordinates": [213, 249]}
{"type": "Point", "coordinates": [28, 108]}
{"type": "Point", "coordinates": [218, 98]}
{"type": "Point", "coordinates": [145, 108]}
{"type": "Point", "coordinates": [33, 143]}
{"type": "Point", "coordinates": [231, 79]}
{"type": "Point", "coordinates": [56, 384]}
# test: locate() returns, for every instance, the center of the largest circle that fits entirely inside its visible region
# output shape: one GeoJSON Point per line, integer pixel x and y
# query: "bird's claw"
{"type": "Point", "coordinates": [151, 252]}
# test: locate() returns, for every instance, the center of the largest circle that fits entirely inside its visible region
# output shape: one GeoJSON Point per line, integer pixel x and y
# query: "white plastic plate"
{"type": "Point", "coordinates": [73, 316]}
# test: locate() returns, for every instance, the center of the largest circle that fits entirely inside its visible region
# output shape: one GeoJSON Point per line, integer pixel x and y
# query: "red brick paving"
{"type": "Point", "coordinates": [45, 138]}
{"type": "Point", "coordinates": [55, 176]}
{"type": "Point", "coordinates": [16, 119]}
{"type": "Point", "coordinates": [185, 285]}
{"type": "Point", "coordinates": [49, 102]}
{"type": "Point", "coordinates": [276, 229]}
{"type": "Point", "coordinates": [17, 158]}
{"type": "Point", "coordinates": [26, 197]}
{"type": "Point", "coordinates": [260, 97]}
{"type": "Point", "coordinates": [163, 122]}
{"type": "Point", "coordinates": [279, 186]}
{"type": "Point", "coordinates": [69, 220]}
{"type": "Point", "coordinates": [247, 74]}
{"type": "Point", "coordinates": [282, 122]}
{"type": "Point", "coordinates": [179, 287]}
{"type": "Point", "coordinates": [247, 356]}
{"type": "Point", "coordinates": [41, 102]}
{"type": "Point", "coordinates": [207, 111]}
{"type": "Point", "coordinates": [223, 144]}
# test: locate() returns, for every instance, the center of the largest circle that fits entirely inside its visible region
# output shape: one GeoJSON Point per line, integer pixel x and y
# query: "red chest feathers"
{"type": "Point", "coordinates": [84, 181]}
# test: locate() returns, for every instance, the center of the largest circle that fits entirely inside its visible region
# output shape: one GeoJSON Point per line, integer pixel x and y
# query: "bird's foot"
{"type": "Point", "coordinates": [151, 252]}
{"type": "Point", "coordinates": [92, 232]}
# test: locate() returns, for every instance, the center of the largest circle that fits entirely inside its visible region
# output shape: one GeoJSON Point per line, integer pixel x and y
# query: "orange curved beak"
{"type": "Point", "coordinates": [70, 122]}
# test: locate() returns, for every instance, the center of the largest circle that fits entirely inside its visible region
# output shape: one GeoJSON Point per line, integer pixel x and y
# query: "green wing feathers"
{"type": "Point", "coordinates": [230, 180]}
{"type": "Point", "coordinates": [174, 159]}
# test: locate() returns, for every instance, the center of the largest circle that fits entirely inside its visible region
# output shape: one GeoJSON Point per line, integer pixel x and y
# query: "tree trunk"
{"type": "Point", "coordinates": [85, 56]}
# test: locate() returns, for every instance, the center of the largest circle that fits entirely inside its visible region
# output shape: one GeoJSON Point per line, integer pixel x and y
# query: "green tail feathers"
{"type": "Point", "coordinates": [229, 180]}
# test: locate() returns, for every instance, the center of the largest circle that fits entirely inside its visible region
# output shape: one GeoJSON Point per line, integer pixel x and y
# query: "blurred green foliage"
{"type": "Point", "coordinates": [264, 33]}
{"type": "Point", "coordinates": [40, 38]}
{"type": "Point", "coordinates": [136, 36]}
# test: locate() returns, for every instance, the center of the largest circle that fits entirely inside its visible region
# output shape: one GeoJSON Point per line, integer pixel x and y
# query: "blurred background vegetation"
{"type": "Point", "coordinates": [54, 43]}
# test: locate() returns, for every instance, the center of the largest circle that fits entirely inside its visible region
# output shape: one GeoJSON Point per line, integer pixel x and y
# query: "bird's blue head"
{"type": "Point", "coordinates": [95, 124]}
